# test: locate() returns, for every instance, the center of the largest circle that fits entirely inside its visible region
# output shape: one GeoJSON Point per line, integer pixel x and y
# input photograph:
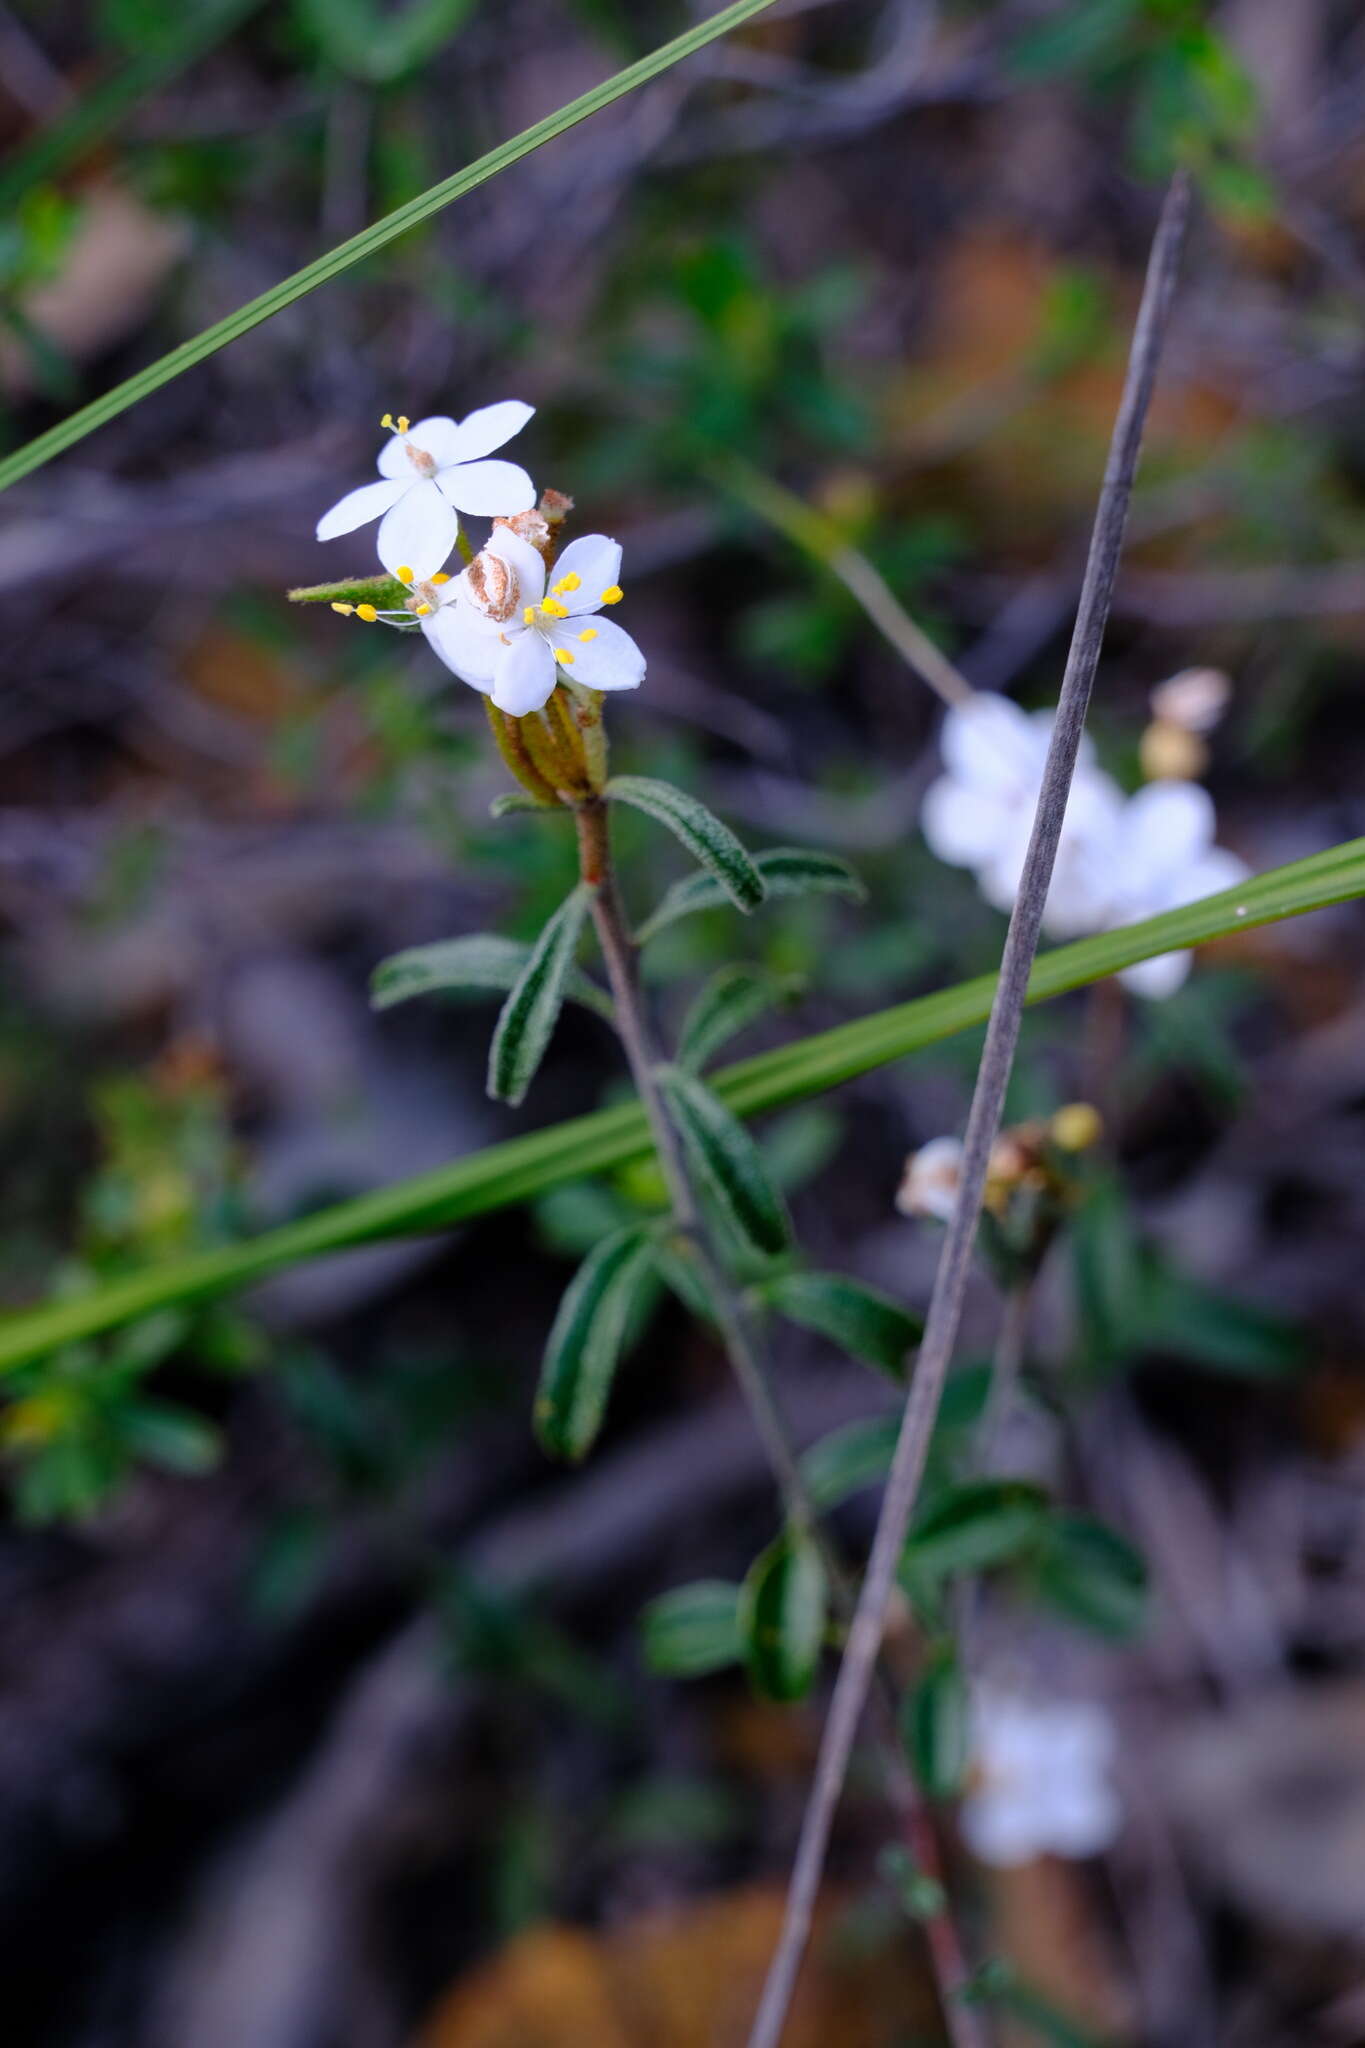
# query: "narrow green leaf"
{"type": "Point", "coordinates": [857, 1456]}
{"type": "Point", "coordinates": [585, 1343]}
{"type": "Point", "coordinates": [523, 1167]}
{"type": "Point", "coordinates": [693, 1630]}
{"type": "Point", "coordinates": [479, 963]}
{"type": "Point", "coordinates": [712, 845]}
{"type": "Point", "coordinates": [172, 1437]}
{"type": "Point", "coordinates": [513, 800]}
{"type": "Point", "coordinates": [786, 871]}
{"type": "Point", "coordinates": [935, 1727]}
{"type": "Point", "coordinates": [1089, 1573]}
{"type": "Point", "coordinates": [732, 1000]}
{"type": "Point", "coordinates": [385, 593]}
{"type": "Point", "coordinates": [529, 1015]}
{"type": "Point", "coordinates": [728, 1161]}
{"type": "Point", "coordinates": [782, 1612]}
{"type": "Point", "coordinates": [975, 1526]}
{"type": "Point", "coordinates": [859, 1319]}
{"type": "Point", "coordinates": [367, 243]}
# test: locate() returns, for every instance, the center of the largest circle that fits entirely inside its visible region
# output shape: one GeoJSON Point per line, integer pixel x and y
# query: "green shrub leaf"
{"type": "Point", "coordinates": [479, 963]}
{"type": "Point", "coordinates": [712, 845]}
{"type": "Point", "coordinates": [585, 1343]}
{"type": "Point", "coordinates": [859, 1319]}
{"type": "Point", "coordinates": [782, 1612]}
{"type": "Point", "coordinates": [531, 1011]}
{"type": "Point", "coordinates": [935, 1728]}
{"type": "Point", "coordinates": [849, 1459]}
{"type": "Point", "coordinates": [693, 1630]}
{"type": "Point", "coordinates": [728, 1161]}
{"type": "Point", "coordinates": [976, 1526]}
{"type": "Point", "coordinates": [786, 871]}
{"type": "Point", "coordinates": [732, 1000]}
{"type": "Point", "coordinates": [1089, 1573]}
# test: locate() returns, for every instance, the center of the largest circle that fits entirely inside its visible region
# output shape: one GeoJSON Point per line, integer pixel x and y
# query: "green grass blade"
{"type": "Point", "coordinates": [367, 243]}
{"type": "Point", "coordinates": [520, 1167]}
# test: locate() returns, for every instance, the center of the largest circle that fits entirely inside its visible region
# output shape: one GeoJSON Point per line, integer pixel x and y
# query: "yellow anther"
{"type": "Point", "coordinates": [403, 423]}
{"type": "Point", "coordinates": [565, 655]}
{"type": "Point", "coordinates": [366, 612]}
{"type": "Point", "coordinates": [588, 633]}
{"type": "Point", "coordinates": [528, 616]}
{"type": "Point", "coordinates": [343, 610]}
{"type": "Point", "coordinates": [403, 573]}
{"type": "Point", "coordinates": [554, 609]}
{"type": "Point", "coordinates": [613, 594]}
{"type": "Point", "coordinates": [569, 582]}
{"type": "Point", "coordinates": [440, 577]}
{"type": "Point", "coordinates": [422, 610]}
{"type": "Point", "coordinates": [387, 421]}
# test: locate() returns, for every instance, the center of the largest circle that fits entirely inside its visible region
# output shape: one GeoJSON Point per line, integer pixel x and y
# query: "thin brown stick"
{"type": "Point", "coordinates": [983, 1124]}
{"type": "Point", "coordinates": [620, 953]}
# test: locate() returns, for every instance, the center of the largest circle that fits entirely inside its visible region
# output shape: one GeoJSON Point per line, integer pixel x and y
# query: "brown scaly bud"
{"type": "Point", "coordinates": [530, 526]}
{"type": "Point", "coordinates": [555, 507]}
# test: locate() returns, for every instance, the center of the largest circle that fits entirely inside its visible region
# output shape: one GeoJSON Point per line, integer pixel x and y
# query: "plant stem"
{"type": "Point", "coordinates": [621, 956]}
{"type": "Point", "coordinates": [945, 1307]}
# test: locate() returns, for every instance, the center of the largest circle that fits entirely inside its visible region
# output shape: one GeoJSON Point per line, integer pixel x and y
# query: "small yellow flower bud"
{"type": "Point", "coordinates": [1076, 1127]}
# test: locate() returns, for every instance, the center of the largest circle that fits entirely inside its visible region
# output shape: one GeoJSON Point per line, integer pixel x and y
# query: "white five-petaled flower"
{"type": "Point", "coordinates": [1039, 1780]}
{"type": "Point", "coordinates": [979, 812]}
{"type": "Point", "coordinates": [502, 631]}
{"type": "Point", "coordinates": [430, 472]}
{"type": "Point", "coordinates": [1160, 856]}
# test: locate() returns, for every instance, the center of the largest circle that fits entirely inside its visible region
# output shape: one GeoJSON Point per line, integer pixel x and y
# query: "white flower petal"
{"type": "Point", "coordinates": [1000, 1830]}
{"type": "Point", "coordinates": [1213, 872]}
{"type": "Point", "coordinates": [527, 561]}
{"type": "Point", "coordinates": [961, 824]}
{"type": "Point", "coordinates": [494, 490]}
{"type": "Point", "coordinates": [1083, 1817]}
{"type": "Point", "coordinates": [1166, 827]}
{"type": "Point", "coordinates": [596, 562]}
{"type": "Point", "coordinates": [357, 508]}
{"type": "Point", "coordinates": [610, 660]}
{"type": "Point", "coordinates": [454, 633]}
{"type": "Point", "coordinates": [993, 746]}
{"type": "Point", "coordinates": [434, 437]}
{"type": "Point", "coordinates": [418, 533]}
{"type": "Point", "coordinates": [1159, 978]}
{"type": "Point", "coordinates": [525, 675]}
{"type": "Point", "coordinates": [479, 433]}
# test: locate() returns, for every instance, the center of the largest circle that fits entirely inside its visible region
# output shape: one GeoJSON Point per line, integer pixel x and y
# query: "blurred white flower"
{"type": "Point", "coordinates": [1039, 1780]}
{"type": "Point", "coordinates": [979, 812]}
{"type": "Point", "coordinates": [1196, 698]}
{"type": "Point", "coordinates": [430, 472]}
{"type": "Point", "coordinates": [930, 1182]}
{"type": "Point", "coordinates": [1161, 855]}
{"type": "Point", "coordinates": [509, 636]}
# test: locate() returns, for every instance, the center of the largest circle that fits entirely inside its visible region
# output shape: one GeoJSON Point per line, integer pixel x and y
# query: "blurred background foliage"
{"type": "Point", "coordinates": [295, 1607]}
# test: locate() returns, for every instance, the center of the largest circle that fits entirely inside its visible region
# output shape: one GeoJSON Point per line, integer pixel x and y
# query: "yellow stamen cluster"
{"type": "Point", "coordinates": [398, 426]}
{"type": "Point", "coordinates": [572, 581]}
{"type": "Point", "coordinates": [613, 594]}
{"type": "Point", "coordinates": [553, 609]}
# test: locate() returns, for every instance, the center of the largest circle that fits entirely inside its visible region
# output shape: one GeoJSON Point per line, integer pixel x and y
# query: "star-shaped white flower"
{"type": "Point", "coordinates": [503, 632]}
{"type": "Point", "coordinates": [1161, 855]}
{"type": "Point", "coordinates": [430, 473]}
{"type": "Point", "coordinates": [979, 813]}
{"type": "Point", "coordinates": [1040, 1780]}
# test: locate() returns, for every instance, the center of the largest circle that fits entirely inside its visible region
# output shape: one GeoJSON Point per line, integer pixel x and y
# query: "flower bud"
{"type": "Point", "coordinates": [930, 1183]}
{"type": "Point", "coordinates": [1195, 698]}
{"type": "Point", "coordinates": [1077, 1127]}
{"type": "Point", "coordinates": [529, 526]}
{"type": "Point", "coordinates": [1172, 753]}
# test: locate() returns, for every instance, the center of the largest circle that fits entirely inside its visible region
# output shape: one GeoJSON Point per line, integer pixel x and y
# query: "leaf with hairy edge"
{"type": "Point", "coordinates": [712, 845]}
{"type": "Point", "coordinates": [786, 871]}
{"type": "Point", "coordinates": [974, 1527]}
{"type": "Point", "coordinates": [529, 1015]}
{"type": "Point", "coordinates": [479, 963]}
{"type": "Point", "coordinates": [782, 1612]}
{"type": "Point", "coordinates": [513, 800]}
{"type": "Point", "coordinates": [693, 1630]}
{"type": "Point", "coordinates": [385, 593]}
{"type": "Point", "coordinates": [525, 1166]}
{"type": "Point", "coordinates": [732, 1000]}
{"type": "Point", "coordinates": [849, 1459]}
{"type": "Point", "coordinates": [728, 1161]}
{"type": "Point", "coordinates": [371, 239]}
{"type": "Point", "coordinates": [935, 1727]}
{"type": "Point", "coordinates": [1089, 1573]}
{"type": "Point", "coordinates": [859, 1319]}
{"type": "Point", "coordinates": [585, 1343]}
